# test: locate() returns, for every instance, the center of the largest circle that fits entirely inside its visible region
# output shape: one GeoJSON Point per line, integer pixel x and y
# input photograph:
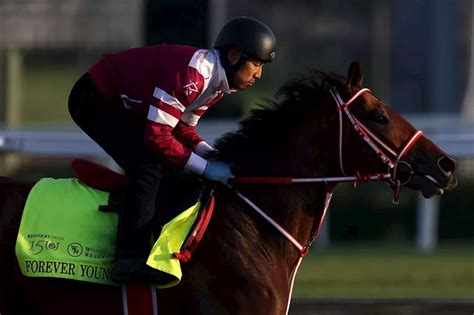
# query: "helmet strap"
{"type": "Point", "coordinates": [231, 70]}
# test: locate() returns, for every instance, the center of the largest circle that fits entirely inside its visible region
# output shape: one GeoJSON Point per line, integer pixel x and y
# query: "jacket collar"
{"type": "Point", "coordinates": [221, 77]}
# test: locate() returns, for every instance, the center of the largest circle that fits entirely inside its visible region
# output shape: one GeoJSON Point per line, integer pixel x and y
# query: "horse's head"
{"type": "Point", "coordinates": [391, 145]}
{"type": "Point", "coordinates": [310, 132]}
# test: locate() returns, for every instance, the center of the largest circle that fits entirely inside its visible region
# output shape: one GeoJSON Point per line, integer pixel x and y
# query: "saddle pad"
{"type": "Point", "coordinates": [63, 235]}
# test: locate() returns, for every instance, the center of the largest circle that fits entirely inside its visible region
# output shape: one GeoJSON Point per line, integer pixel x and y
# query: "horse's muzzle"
{"type": "Point", "coordinates": [444, 180]}
{"type": "Point", "coordinates": [447, 165]}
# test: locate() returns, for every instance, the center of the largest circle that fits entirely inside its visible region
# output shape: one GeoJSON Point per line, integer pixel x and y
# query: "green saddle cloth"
{"type": "Point", "coordinates": [63, 235]}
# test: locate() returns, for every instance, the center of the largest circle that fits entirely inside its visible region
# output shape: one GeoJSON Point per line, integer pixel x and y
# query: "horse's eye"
{"type": "Point", "coordinates": [381, 119]}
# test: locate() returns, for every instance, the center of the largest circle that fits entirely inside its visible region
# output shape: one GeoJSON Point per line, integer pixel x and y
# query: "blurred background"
{"type": "Point", "coordinates": [417, 56]}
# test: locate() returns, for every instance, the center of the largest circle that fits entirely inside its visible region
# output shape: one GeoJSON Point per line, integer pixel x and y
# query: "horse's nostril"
{"type": "Point", "coordinates": [447, 164]}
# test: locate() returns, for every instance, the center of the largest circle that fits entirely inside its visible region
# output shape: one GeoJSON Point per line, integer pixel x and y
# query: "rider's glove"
{"type": "Point", "coordinates": [218, 171]}
{"type": "Point", "coordinates": [203, 149]}
{"type": "Point", "coordinates": [213, 170]}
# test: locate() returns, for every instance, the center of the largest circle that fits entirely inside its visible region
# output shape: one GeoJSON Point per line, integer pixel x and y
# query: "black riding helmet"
{"type": "Point", "coordinates": [252, 36]}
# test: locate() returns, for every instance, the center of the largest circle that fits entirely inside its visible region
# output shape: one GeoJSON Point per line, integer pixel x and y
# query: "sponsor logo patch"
{"type": "Point", "coordinates": [190, 88]}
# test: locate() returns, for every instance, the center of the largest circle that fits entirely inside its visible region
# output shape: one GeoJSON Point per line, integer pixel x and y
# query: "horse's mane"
{"type": "Point", "coordinates": [262, 134]}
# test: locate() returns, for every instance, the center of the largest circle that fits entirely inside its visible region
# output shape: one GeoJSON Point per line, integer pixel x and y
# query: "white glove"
{"type": "Point", "coordinates": [203, 148]}
{"type": "Point", "coordinates": [213, 170]}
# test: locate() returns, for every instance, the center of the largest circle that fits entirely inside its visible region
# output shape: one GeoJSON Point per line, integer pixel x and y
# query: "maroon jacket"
{"type": "Point", "coordinates": [169, 86]}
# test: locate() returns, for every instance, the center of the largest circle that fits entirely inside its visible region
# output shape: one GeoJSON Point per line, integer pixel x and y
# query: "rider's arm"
{"type": "Point", "coordinates": [164, 114]}
{"type": "Point", "coordinates": [185, 131]}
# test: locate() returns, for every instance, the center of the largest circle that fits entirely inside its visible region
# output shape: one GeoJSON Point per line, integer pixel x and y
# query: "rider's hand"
{"type": "Point", "coordinates": [218, 171]}
{"type": "Point", "coordinates": [203, 148]}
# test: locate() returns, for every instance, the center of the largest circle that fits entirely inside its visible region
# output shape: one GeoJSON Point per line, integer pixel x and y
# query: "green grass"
{"type": "Point", "coordinates": [387, 272]}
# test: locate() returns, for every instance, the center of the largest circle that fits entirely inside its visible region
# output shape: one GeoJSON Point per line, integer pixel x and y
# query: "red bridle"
{"type": "Point", "coordinates": [372, 140]}
{"type": "Point", "coordinates": [369, 137]}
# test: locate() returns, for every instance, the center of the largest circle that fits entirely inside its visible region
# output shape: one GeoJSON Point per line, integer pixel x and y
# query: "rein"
{"type": "Point", "coordinates": [378, 145]}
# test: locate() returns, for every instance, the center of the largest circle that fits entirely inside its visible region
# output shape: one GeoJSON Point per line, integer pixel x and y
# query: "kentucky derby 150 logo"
{"type": "Point", "coordinates": [38, 246]}
{"type": "Point", "coordinates": [74, 249]}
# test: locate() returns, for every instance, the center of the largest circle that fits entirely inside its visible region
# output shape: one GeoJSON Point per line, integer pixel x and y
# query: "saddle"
{"type": "Point", "coordinates": [178, 192]}
{"type": "Point", "coordinates": [190, 189]}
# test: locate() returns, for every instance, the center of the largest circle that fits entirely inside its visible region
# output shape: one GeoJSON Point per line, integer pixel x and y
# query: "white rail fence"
{"type": "Point", "coordinates": [75, 143]}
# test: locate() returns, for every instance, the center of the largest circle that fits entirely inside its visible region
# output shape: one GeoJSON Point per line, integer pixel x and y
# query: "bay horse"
{"type": "Point", "coordinates": [244, 265]}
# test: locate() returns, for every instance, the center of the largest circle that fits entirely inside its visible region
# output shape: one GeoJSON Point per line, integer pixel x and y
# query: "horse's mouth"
{"type": "Point", "coordinates": [431, 187]}
{"type": "Point", "coordinates": [435, 192]}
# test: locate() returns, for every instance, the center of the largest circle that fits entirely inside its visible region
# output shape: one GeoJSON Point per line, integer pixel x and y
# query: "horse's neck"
{"type": "Point", "coordinates": [295, 208]}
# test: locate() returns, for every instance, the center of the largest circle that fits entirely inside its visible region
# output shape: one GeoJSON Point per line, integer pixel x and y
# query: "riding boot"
{"type": "Point", "coordinates": [134, 233]}
{"type": "Point", "coordinates": [130, 262]}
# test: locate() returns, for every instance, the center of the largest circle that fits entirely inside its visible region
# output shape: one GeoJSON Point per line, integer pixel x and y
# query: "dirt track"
{"type": "Point", "coordinates": [383, 307]}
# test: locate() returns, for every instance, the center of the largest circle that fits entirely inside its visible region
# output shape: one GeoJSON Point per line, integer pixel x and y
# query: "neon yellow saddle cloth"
{"type": "Point", "coordinates": [63, 235]}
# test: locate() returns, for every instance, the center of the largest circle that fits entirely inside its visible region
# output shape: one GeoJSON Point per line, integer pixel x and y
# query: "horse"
{"type": "Point", "coordinates": [244, 265]}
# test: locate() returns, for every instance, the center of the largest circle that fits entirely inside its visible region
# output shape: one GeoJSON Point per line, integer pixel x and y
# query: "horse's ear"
{"type": "Point", "coordinates": [355, 76]}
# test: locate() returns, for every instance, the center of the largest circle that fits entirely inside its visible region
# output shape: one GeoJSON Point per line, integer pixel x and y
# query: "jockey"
{"type": "Point", "coordinates": [141, 106]}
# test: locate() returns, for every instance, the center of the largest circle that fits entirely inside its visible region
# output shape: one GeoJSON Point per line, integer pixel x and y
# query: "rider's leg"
{"type": "Point", "coordinates": [120, 134]}
{"type": "Point", "coordinates": [138, 211]}
{"type": "Point", "coordinates": [134, 235]}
